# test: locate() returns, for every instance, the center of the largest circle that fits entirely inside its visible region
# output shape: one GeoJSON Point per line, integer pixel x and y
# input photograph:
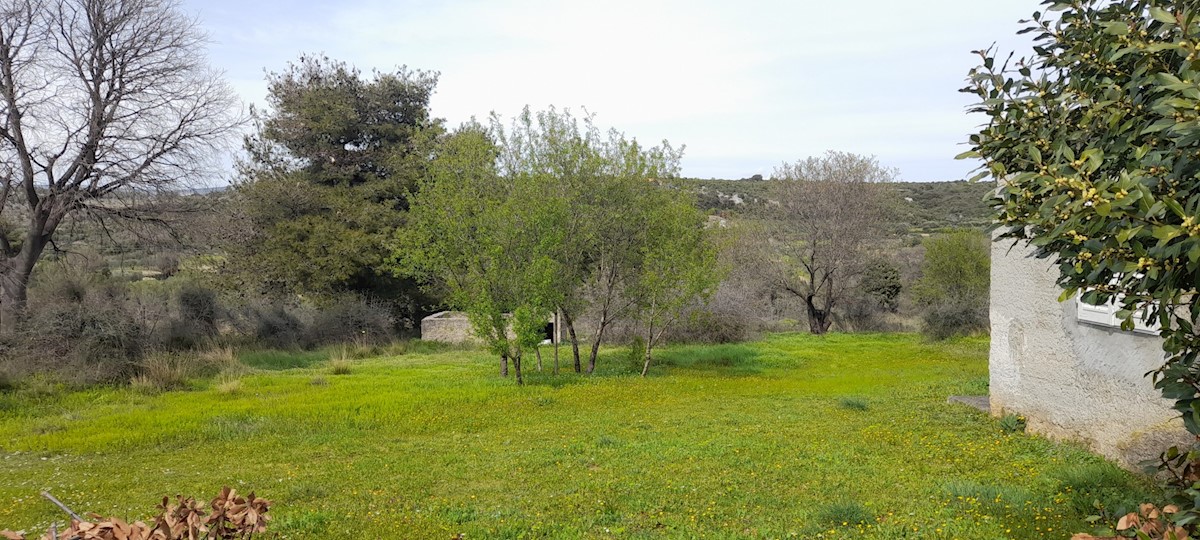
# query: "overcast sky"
{"type": "Point", "coordinates": [744, 84]}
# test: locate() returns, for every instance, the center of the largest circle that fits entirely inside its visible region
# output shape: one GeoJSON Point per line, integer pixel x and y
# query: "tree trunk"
{"type": "Point", "coordinates": [557, 333]}
{"type": "Point", "coordinates": [649, 346]}
{"type": "Point", "coordinates": [595, 351]}
{"type": "Point", "coordinates": [12, 300]}
{"type": "Point", "coordinates": [574, 341]}
{"type": "Point", "coordinates": [14, 283]}
{"type": "Point", "coordinates": [504, 365]}
{"type": "Point", "coordinates": [517, 368]}
{"type": "Point", "coordinates": [818, 319]}
{"type": "Point", "coordinates": [596, 342]}
{"type": "Point", "coordinates": [537, 349]}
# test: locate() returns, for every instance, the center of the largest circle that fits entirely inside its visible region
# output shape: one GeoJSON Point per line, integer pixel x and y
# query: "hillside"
{"type": "Point", "coordinates": [924, 206]}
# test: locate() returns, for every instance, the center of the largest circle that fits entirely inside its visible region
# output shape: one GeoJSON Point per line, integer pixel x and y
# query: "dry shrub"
{"type": "Point", "coordinates": [228, 517]}
{"type": "Point", "coordinates": [79, 328]}
{"type": "Point", "coordinates": [165, 371]}
{"type": "Point", "coordinates": [351, 320]}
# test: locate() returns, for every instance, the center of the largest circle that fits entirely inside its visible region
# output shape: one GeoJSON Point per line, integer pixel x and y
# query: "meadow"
{"type": "Point", "coordinates": [790, 436]}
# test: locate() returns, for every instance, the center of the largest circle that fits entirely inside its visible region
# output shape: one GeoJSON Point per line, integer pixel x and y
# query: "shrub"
{"type": "Point", "coordinates": [275, 326]}
{"type": "Point", "coordinates": [955, 318]}
{"type": "Point", "coordinates": [955, 284]}
{"type": "Point", "coordinates": [352, 320]}
{"type": "Point", "coordinates": [80, 328]}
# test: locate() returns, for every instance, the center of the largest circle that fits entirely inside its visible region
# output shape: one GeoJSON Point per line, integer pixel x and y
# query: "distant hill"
{"type": "Point", "coordinates": [924, 206]}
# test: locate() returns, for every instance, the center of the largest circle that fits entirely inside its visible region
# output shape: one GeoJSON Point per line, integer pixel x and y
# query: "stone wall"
{"type": "Point", "coordinates": [448, 327]}
{"type": "Point", "coordinates": [1072, 380]}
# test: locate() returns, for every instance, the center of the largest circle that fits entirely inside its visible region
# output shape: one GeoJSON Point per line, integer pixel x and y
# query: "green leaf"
{"type": "Point", "coordinates": [1165, 233]}
{"type": "Point", "coordinates": [1117, 28]}
{"type": "Point", "coordinates": [1162, 15]}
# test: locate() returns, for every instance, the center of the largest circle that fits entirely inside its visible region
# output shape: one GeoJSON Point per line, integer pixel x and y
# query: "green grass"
{"type": "Point", "coordinates": [745, 441]}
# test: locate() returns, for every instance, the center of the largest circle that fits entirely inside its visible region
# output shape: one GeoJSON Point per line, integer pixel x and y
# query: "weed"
{"type": "Point", "coordinates": [340, 366]}
{"type": "Point", "coordinates": [996, 497]}
{"type": "Point", "coordinates": [844, 514]}
{"type": "Point", "coordinates": [854, 403]}
{"type": "Point", "coordinates": [229, 386]}
{"type": "Point", "coordinates": [164, 371]}
{"type": "Point", "coordinates": [1012, 423]}
{"type": "Point", "coordinates": [318, 381]}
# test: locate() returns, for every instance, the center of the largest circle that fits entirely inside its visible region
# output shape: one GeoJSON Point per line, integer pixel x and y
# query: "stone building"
{"type": "Point", "coordinates": [1070, 369]}
{"type": "Point", "coordinates": [454, 327]}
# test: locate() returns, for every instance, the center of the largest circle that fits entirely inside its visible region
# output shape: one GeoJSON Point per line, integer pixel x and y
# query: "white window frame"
{"type": "Point", "coordinates": [1106, 315]}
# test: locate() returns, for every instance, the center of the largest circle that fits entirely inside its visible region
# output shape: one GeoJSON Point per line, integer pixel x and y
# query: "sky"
{"type": "Point", "coordinates": [745, 85]}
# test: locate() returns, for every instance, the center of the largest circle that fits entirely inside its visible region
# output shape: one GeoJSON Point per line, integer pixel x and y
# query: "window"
{"type": "Point", "coordinates": [1106, 315]}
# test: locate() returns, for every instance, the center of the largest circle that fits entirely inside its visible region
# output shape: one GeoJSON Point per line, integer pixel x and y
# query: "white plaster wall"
{"type": "Point", "coordinates": [1072, 380]}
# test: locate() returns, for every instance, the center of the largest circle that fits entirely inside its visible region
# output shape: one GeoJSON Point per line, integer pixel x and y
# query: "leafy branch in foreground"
{"type": "Point", "coordinates": [1096, 143]}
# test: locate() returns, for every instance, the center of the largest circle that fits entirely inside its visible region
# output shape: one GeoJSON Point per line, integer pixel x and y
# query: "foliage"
{"type": "Point", "coordinates": [679, 265]}
{"type": "Point", "coordinates": [1095, 140]}
{"type": "Point", "coordinates": [516, 223]}
{"type": "Point", "coordinates": [230, 517]}
{"type": "Point", "coordinates": [1148, 523]}
{"type": "Point", "coordinates": [327, 180]}
{"type": "Point", "coordinates": [1012, 423]}
{"type": "Point", "coordinates": [726, 429]}
{"type": "Point", "coordinates": [955, 284]}
{"type": "Point", "coordinates": [830, 209]}
{"type": "Point", "coordinates": [881, 283]}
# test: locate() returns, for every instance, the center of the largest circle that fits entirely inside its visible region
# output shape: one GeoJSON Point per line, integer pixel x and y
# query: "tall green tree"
{"type": "Point", "coordinates": [326, 181]}
{"type": "Point", "coordinates": [601, 179]}
{"type": "Point", "coordinates": [490, 241]}
{"type": "Point", "coordinates": [1095, 140]}
{"type": "Point", "coordinates": [679, 265]}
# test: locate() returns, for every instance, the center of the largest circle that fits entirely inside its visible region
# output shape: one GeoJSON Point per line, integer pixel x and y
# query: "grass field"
{"type": "Point", "coordinates": [793, 436]}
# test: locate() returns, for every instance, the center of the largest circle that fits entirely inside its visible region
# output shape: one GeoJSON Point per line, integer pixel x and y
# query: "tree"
{"type": "Point", "coordinates": [601, 179]}
{"type": "Point", "coordinates": [1095, 142]}
{"type": "Point", "coordinates": [489, 240]}
{"type": "Point", "coordinates": [830, 209]}
{"type": "Point", "coordinates": [679, 266]}
{"type": "Point", "coordinates": [102, 102]}
{"type": "Point", "coordinates": [326, 181]}
{"type": "Point", "coordinates": [955, 283]}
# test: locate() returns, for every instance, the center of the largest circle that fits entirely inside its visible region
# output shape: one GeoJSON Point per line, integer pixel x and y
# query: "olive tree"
{"type": "Point", "coordinates": [1095, 139]}
{"type": "Point", "coordinates": [830, 210]}
{"type": "Point", "coordinates": [102, 102]}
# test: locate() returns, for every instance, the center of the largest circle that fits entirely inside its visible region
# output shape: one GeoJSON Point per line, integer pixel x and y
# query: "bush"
{"type": "Point", "coordinates": [352, 320]}
{"type": "Point", "coordinates": [955, 284]}
{"type": "Point", "coordinates": [275, 326]}
{"type": "Point", "coordinates": [194, 323]}
{"type": "Point", "coordinates": [80, 328]}
{"type": "Point", "coordinates": [955, 318]}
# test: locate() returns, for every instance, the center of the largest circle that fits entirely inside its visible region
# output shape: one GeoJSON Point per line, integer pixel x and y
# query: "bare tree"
{"type": "Point", "coordinates": [101, 103]}
{"type": "Point", "coordinates": [830, 209]}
